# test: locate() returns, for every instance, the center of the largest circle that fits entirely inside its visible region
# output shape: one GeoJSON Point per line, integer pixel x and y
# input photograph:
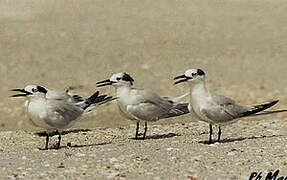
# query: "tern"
{"type": "Point", "coordinates": [141, 105]}
{"type": "Point", "coordinates": [216, 109]}
{"type": "Point", "coordinates": [56, 110]}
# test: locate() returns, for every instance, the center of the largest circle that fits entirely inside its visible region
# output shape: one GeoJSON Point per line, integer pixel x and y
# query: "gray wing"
{"type": "Point", "coordinates": [219, 99]}
{"type": "Point", "coordinates": [146, 111]}
{"type": "Point", "coordinates": [152, 112]}
{"type": "Point", "coordinates": [224, 113]}
{"type": "Point", "coordinates": [145, 96]}
{"type": "Point", "coordinates": [151, 107]}
{"type": "Point", "coordinates": [148, 105]}
{"type": "Point", "coordinates": [224, 110]}
{"type": "Point", "coordinates": [62, 113]}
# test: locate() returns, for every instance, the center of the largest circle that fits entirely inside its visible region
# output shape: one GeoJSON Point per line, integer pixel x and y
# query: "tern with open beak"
{"type": "Point", "coordinates": [56, 110]}
{"type": "Point", "coordinates": [216, 109]}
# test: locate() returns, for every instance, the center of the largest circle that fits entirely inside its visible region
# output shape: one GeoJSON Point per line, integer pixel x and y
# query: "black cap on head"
{"type": "Point", "coordinates": [200, 72]}
{"type": "Point", "coordinates": [127, 77]}
{"type": "Point", "coordinates": [42, 89]}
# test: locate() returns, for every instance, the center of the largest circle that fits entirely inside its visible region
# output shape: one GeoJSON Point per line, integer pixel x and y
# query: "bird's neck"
{"type": "Point", "coordinates": [122, 90]}
{"type": "Point", "coordinates": [36, 98]}
{"type": "Point", "coordinates": [198, 89]}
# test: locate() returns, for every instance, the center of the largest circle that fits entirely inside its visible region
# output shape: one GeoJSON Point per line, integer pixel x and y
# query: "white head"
{"type": "Point", "coordinates": [31, 91]}
{"type": "Point", "coordinates": [118, 79]}
{"type": "Point", "coordinates": [191, 76]}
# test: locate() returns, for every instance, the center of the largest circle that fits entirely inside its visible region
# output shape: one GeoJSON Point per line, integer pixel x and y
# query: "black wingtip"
{"type": "Point", "coordinates": [260, 108]}
{"type": "Point", "coordinates": [267, 105]}
{"type": "Point", "coordinates": [98, 99]}
{"type": "Point", "coordinates": [94, 96]}
{"type": "Point", "coordinates": [274, 102]}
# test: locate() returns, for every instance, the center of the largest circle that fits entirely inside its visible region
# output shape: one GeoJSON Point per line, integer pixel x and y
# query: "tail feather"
{"type": "Point", "coordinates": [259, 108]}
{"type": "Point", "coordinates": [95, 99]}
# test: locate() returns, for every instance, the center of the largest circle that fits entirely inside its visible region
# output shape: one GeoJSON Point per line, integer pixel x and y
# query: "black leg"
{"type": "Point", "coordinates": [59, 140]}
{"type": "Point", "coordinates": [210, 134]}
{"type": "Point", "coordinates": [137, 130]}
{"type": "Point", "coordinates": [219, 133]}
{"type": "Point", "coordinates": [47, 140]}
{"type": "Point", "coordinates": [145, 130]}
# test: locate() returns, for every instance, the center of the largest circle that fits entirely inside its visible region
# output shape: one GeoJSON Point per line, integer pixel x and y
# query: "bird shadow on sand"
{"type": "Point", "coordinates": [159, 136]}
{"type": "Point", "coordinates": [69, 145]}
{"type": "Point", "coordinates": [87, 145]}
{"type": "Point", "coordinates": [44, 133]}
{"type": "Point", "coordinates": [163, 136]}
{"type": "Point", "coordinates": [240, 139]}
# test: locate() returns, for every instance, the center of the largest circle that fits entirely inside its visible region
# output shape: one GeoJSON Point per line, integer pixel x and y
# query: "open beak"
{"type": "Point", "coordinates": [182, 78]}
{"type": "Point", "coordinates": [104, 83]}
{"type": "Point", "coordinates": [22, 91]}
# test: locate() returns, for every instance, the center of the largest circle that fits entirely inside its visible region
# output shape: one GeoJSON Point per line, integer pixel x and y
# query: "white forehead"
{"type": "Point", "coordinates": [30, 87]}
{"type": "Point", "coordinates": [117, 75]}
{"type": "Point", "coordinates": [189, 72]}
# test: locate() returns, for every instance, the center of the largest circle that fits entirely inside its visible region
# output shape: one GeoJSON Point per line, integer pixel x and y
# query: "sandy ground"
{"type": "Point", "coordinates": [176, 151]}
{"type": "Point", "coordinates": [242, 45]}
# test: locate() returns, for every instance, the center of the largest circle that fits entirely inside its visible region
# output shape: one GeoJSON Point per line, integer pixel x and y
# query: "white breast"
{"type": "Point", "coordinates": [36, 110]}
{"type": "Point", "coordinates": [200, 101]}
{"type": "Point", "coordinates": [126, 97]}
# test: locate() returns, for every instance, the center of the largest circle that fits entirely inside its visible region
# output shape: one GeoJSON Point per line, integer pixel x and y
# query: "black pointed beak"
{"type": "Point", "coordinates": [104, 83]}
{"type": "Point", "coordinates": [182, 78]}
{"type": "Point", "coordinates": [24, 93]}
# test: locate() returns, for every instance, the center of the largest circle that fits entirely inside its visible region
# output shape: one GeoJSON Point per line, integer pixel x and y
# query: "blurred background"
{"type": "Point", "coordinates": [241, 44]}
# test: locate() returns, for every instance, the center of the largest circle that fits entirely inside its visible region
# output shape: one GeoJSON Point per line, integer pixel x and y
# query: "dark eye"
{"type": "Point", "coordinates": [118, 78]}
{"type": "Point", "coordinates": [193, 74]}
{"type": "Point", "coordinates": [34, 90]}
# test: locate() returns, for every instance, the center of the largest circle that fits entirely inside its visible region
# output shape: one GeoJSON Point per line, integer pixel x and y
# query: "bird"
{"type": "Point", "coordinates": [56, 110]}
{"type": "Point", "coordinates": [217, 109]}
{"type": "Point", "coordinates": [142, 105]}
